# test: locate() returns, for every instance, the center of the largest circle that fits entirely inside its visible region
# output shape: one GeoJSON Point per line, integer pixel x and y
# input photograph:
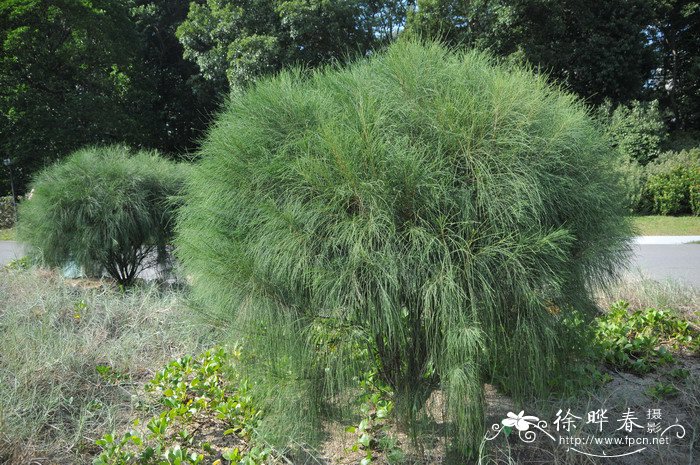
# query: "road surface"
{"type": "Point", "coordinates": [9, 250]}
{"type": "Point", "coordinates": [679, 262]}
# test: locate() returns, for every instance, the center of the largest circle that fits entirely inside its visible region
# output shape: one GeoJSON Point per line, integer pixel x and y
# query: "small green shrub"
{"type": "Point", "coordinates": [673, 183]}
{"type": "Point", "coordinates": [102, 207]}
{"type": "Point", "coordinates": [193, 391]}
{"type": "Point", "coordinates": [373, 430]}
{"type": "Point", "coordinates": [430, 205]}
{"type": "Point", "coordinates": [663, 390]}
{"type": "Point", "coordinates": [641, 340]}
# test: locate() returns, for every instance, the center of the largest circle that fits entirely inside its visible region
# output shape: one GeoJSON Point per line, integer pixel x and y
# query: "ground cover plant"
{"type": "Point", "coordinates": [102, 208]}
{"type": "Point", "coordinates": [205, 413]}
{"type": "Point", "coordinates": [207, 417]}
{"type": "Point", "coordinates": [423, 213]}
{"type": "Point", "coordinates": [638, 341]}
{"type": "Point", "coordinates": [74, 357]}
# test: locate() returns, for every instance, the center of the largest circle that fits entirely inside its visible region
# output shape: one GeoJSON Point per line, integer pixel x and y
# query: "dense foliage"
{"type": "Point", "coordinates": [641, 340]}
{"type": "Point", "coordinates": [236, 43]}
{"type": "Point", "coordinates": [75, 73]}
{"type": "Point", "coordinates": [636, 131]}
{"type": "Point", "coordinates": [102, 208]}
{"type": "Point", "coordinates": [150, 73]}
{"type": "Point", "coordinates": [430, 208]}
{"type": "Point", "coordinates": [599, 49]}
{"type": "Point", "coordinates": [64, 78]}
{"type": "Point", "coordinates": [673, 183]}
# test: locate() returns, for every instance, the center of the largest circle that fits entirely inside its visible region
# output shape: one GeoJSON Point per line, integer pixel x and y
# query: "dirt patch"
{"type": "Point", "coordinates": [624, 393]}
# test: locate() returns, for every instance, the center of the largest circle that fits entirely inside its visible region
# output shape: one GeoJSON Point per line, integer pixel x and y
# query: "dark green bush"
{"type": "Point", "coordinates": [673, 183]}
{"type": "Point", "coordinates": [429, 209]}
{"type": "Point", "coordinates": [7, 212]}
{"type": "Point", "coordinates": [103, 207]}
{"type": "Point", "coordinates": [636, 130]}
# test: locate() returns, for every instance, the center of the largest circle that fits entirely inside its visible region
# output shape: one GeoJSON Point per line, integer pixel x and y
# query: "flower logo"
{"type": "Point", "coordinates": [520, 421]}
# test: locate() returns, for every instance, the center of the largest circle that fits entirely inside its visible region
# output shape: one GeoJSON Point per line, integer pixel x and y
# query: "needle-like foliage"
{"type": "Point", "coordinates": [436, 209]}
{"type": "Point", "coordinates": [102, 207]}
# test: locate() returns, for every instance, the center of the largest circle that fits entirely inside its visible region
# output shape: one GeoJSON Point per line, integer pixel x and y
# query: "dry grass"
{"type": "Point", "coordinates": [53, 401]}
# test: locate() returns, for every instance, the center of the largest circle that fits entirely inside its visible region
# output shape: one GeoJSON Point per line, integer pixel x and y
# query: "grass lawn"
{"type": "Point", "coordinates": [7, 234]}
{"type": "Point", "coordinates": [667, 225]}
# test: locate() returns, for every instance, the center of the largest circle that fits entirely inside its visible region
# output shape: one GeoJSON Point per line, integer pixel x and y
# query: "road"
{"type": "Point", "coordinates": [680, 262]}
{"type": "Point", "coordinates": [9, 250]}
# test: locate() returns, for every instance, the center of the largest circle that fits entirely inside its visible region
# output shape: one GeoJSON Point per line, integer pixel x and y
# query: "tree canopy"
{"type": "Point", "coordinates": [151, 73]}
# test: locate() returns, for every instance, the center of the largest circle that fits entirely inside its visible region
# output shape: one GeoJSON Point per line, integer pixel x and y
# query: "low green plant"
{"type": "Point", "coordinates": [193, 391]}
{"type": "Point", "coordinates": [583, 359]}
{"type": "Point", "coordinates": [102, 208]}
{"type": "Point", "coordinates": [373, 430]}
{"type": "Point", "coordinates": [679, 374]}
{"type": "Point", "coordinates": [18, 264]}
{"type": "Point", "coordinates": [663, 390]}
{"type": "Point", "coordinates": [639, 341]}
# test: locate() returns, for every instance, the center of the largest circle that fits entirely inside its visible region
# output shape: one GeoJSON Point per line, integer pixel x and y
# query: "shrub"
{"type": "Point", "coordinates": [7, 212]}
{"type": "Point", "coordinates": [424, 211]}
{"type": "Point", "coordinates": [639, 341]}
{"type": "Point", "coordinates": [636, 130]}
{"type": "Point", "coordinates": [673, 183]}
{"type": "Point", "coordinates": [102, 208]}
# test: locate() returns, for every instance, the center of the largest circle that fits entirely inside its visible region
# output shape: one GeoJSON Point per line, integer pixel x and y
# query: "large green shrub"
{"type": "Point", "coordinates": [673, 183]}
{"type": "Point", "coordinates": [428, 209]}
{"type": "Point", "coordinates": [103, 207]}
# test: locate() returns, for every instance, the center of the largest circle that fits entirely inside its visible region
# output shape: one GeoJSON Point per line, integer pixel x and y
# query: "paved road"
{"type": "Point", "coordinates": [9, 250]}
{"type": "Point", "coordinates": [679, 262]}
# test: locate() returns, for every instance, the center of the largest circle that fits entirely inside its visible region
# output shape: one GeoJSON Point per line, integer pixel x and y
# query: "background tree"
{"type": "Point", "coordinates": [598, 49]}
{"type": "Point", "coordinates": [68, 76]}
{"type": "Point", "coordinates": [234, 42]}
{"type": "Point", "coordinates": [179, 102]}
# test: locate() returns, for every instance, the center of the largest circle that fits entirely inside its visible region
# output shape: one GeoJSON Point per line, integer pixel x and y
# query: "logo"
{"type": "Point", "coordinates": [597, 432]}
